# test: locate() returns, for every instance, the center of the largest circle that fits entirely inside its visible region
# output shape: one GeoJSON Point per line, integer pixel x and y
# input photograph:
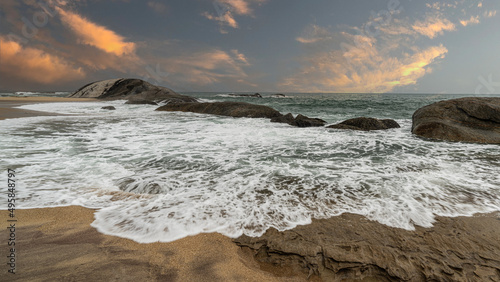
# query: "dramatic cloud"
{"type": "Point", "coordinates": [432, 27]}
{"type": "Point", "coordinates": [226, 10]}
{"type": "Point", "coordinates": [362, 70]}
{"type": "Point", "coordinates": [36, 65]}
{"type": "Point", "coordinates": [354, 60]}
{"type": "Point", "coordinates": [98, 36]}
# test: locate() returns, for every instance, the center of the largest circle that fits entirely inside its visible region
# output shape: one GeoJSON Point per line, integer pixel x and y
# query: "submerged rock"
{"type": "Point", "coordinates": [109, 108]}
{"type": "Point", "coordinates": [350, 247]}
{"type": "Point", "coordinates": [141, 102]}
{"type": "Point", "coordinates": [366, 124]}
{"type": "Point", "coordinates": [278, 95]}
{"type": "Point", "coordinates": [299, 121]}
{"type": "Point", "coordinates": [256, 95]}
{"type": "Point", "coordinates": [466, 119]}
{"type": "Point", "coordinates": [231, 109]}
{"type": "Point", "coordinates": [128, 89]}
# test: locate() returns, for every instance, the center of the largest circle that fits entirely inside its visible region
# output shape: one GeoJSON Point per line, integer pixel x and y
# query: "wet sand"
{"type": "Point", "coordinates": [58, 244]}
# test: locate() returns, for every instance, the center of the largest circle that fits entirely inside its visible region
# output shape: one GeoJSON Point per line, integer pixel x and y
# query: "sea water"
{"type": "Point", "coordinates": [161, 176]}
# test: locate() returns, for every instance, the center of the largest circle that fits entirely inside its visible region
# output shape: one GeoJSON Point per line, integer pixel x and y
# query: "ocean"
{"type": "Point", "coordinates": [162, 176]}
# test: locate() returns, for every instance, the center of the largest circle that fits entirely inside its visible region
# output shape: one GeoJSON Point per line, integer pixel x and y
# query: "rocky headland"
{"type": "Point", "coordinates": [130, 89]}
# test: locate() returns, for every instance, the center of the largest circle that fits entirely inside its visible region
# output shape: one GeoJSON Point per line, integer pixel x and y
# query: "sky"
{"type": "Point", "coordinates": [330, 46]}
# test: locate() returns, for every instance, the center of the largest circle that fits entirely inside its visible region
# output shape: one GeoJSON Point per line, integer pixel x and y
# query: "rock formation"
{"type": "Point", "coordinates": [350, 247]}
{"type": "Point", "coordinates": [466, 119]}
{"type": "Point", "coordinates": [299, 121]}
{"type": "Point", "coordinates": [127, 89]}
{"type": "Point", "coordinates": [231, 109]}
{"type": "Point", "coordinates": [366, 124]}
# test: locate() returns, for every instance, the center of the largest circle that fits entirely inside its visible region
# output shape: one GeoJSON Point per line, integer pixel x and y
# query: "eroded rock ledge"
{"type": "Point", "coordinates": [352, 247]}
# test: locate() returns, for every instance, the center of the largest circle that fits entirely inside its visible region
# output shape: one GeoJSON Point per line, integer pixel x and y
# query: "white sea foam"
{"type": "Point", "coordinates": [161, 176]}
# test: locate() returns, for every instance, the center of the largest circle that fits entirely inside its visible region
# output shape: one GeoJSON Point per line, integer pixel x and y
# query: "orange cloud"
{"type": "Point", "coordinates": [240, 7]}
{"type": "Point", "coordinates": [472, 20]}
{"type": "Point", "coordinates": [98, 36]}
{"type": "Point", "coordinates": [227, 9]}
{"type": "Point", "coordinates": [35, 65]}
{"type": "Point", "coordinates": [227, 18]}
{"type": "Point", "coordinates": [432, 27]}
{"type": "Point", "coordinates": [361, 69]}
{"type": "Point", "coordinates": [240, 57]}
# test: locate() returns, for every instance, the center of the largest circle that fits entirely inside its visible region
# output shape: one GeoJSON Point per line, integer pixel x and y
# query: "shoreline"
{"type": "Point", "coordinates": [8, 106]}
{"type": "Point", "coordinates": [55, 243]}
{"type": "Point", "coordinates": [59, 243]}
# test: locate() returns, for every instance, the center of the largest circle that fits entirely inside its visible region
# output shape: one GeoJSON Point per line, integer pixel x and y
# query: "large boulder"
{"type": "Point", "coordinates": [366, 124]}
{"type": "Point", "coordinates": [299, 121]}
{"type": "Point", "coordinates": [466, 119]}
{"type": "Point", "coordinates": [231, 109]}
{"type": "Point", "coordinates": [130, 89]}
{"type": "Point", "coordinates": [351, 248]}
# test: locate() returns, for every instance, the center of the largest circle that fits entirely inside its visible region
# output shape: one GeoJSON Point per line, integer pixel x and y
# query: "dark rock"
{"type": "Point", "coordinates": [288, 118]}
{"type": "Point", "coordinates": [232, 109]}
{"type": "Point", "coordinates": [467, 120]}
{"type": "Point", "coordinates": [299, 121]}
{"type": "Point", "coordinates": [140, 102]}
{"type": "Point", "coordinates": [351, 248]}
{"type": "Point", "coordinates": [256, 95]}
{"type": "Point", "coordinates": [303, 121]}
{"type": "Point", "coordinates": [110, 108]}
{"type": "Point", "coordinates": [127, 89]}
{"type": "Point", "coordinates": [366, 124]}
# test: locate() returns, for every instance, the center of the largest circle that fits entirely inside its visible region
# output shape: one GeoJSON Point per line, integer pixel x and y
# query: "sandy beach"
{"type": "Point", "coordinates": [58, 244]}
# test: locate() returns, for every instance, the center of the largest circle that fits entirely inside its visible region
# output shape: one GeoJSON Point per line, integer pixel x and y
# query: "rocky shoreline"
{"type": "Point", "coordinates": [350, 247]}
{"type": "Point", "coordinates": [459, 120]}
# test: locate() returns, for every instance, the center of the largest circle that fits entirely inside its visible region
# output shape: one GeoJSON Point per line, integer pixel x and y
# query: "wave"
{"type": "Point", "coordinates": [161, 176]}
